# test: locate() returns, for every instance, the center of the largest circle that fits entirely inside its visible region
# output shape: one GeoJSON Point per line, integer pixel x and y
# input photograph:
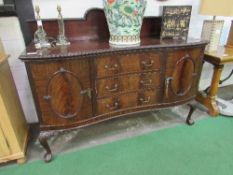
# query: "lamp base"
{"type": "Point", "coordinates": [230, 37]}
{"type": "Point", "coordinates": [211, 31]}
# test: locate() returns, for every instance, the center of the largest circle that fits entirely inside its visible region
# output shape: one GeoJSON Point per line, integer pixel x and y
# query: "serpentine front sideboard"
{"type": "Point", "coordinates": [89, 82]}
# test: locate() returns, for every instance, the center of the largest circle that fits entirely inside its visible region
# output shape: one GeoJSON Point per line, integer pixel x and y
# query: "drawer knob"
{"type": "Point", "coordinates": [145, 100]}
{"type": "Point", "coordinates": [114, 106]}
{"type": "Point", "coordinates": [113, 89]}
{"type": "Point", "coordinates": [112, 68]}
{"type": "Point", "coordinates": [147, 64]}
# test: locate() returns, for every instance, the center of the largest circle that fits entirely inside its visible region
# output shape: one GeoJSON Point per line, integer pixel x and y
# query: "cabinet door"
{"type": "Point", "coordinates": [183, 69]}
{"type": "Point", "coordinates": [62, 91]}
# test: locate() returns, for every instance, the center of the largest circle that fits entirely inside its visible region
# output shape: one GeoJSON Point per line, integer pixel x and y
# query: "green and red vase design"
{"type": "Point", "coordinates": [124, 18]}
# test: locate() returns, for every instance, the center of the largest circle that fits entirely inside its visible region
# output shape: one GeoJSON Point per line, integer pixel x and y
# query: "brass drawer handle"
{"type": "Point", "coordinates": [113, 107]}
{"type": "Point", "coordinates": [113, 89]}
{"type": "Point", "coordinates": [145, 100]}
{"type": "Point", "coordinates": [112, 68]}
{"type": "Point", "coordinates": [146, 82]}
{"type": "Point", "coordinates": [47, 97]}
{"type": "Point", "coordinates": [147, 64]}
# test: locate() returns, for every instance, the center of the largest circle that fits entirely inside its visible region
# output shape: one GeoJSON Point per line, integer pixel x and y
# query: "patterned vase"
{"type": "Point", "coordinates": [124, 18]}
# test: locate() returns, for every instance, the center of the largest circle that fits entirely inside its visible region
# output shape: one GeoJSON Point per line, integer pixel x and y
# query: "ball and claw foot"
{"type": "Point", "coordinates": [47, 157]}
{"type": "Point", "coordinates": [190, 121]}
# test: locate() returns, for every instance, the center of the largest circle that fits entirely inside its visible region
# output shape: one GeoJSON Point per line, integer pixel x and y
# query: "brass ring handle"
{"type": "Point", "coordinates": [147, 64]}
{"type": "Point", "coordinates": [113, 89]}
{"type": "Point", "coordinates": [113, 107]}
{"type": "Point", "coordinates": [113, 67]}
{"type": "Point", "coordinates": [145, 100]}
{"type": "Point", "coordinates": [146, 82]}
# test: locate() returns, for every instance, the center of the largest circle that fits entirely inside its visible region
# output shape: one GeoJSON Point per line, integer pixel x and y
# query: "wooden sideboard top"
{"type": "Point", "coordinates": [82, 48]}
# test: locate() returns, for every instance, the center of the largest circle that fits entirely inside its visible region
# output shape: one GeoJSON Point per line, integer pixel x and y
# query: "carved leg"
{"type": "Point", "coordinates": [189, 121]}
{"type": "Point", "coordinates": [43, 141]}
{"type": "Point", "coordinates": [208, 100]}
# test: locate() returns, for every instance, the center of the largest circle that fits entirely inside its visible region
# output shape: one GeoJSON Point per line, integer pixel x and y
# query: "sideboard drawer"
{"type": "Point", "coordinates": [127, 83]}
{"type": "Point", "coordinates": [112, 104]}
{"type": "Point", "coordinates": [149, 97]}
{"type": "Point", "coordinates": [129, 63]}
{"type": "Point", "coordinates": [129, 100]}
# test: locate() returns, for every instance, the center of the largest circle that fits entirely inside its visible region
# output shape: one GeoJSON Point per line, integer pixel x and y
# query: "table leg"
{"type": "Point", "coordinates": [209, 99]}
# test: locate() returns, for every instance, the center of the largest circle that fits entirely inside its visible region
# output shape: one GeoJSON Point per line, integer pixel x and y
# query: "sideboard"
{"type": "Point", "coordinates": [89, 81]}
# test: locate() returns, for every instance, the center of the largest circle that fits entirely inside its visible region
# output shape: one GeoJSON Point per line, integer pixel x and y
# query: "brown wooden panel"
{"type": "Point", "coordinates": [182, 77]}
{"type": "Point", "coordinates": [129, 63]}
{"type": "Point", "coordinates": [127, 83]}
{"type": "Point", "coordinates": [64, 93]}
{"type": "Point", "coordinates": [175, 55]}
{"type": "Point", "coordinates": [182, 74]}
{"type": "Point", "coordinates": [93, 26]}
{"type": "Point", "coordinates": [57, 87]}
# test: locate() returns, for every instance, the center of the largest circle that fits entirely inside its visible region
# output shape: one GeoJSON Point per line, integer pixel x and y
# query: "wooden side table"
{"type": "Point", "coordinates": [218, 59]}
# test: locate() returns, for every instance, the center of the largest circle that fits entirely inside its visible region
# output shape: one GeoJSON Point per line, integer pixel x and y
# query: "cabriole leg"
{"type": "Point", "coordinates": [190, 121]}
{"type": "Point", "coordinates": [43, 141]}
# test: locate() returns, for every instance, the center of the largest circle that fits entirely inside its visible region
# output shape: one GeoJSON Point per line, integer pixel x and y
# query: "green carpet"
{"type": "Point", "coordinates": [204, 148]}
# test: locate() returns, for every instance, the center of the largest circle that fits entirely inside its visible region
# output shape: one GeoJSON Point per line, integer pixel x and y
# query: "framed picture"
{"type": "Point", "coordinates": [175, 22]}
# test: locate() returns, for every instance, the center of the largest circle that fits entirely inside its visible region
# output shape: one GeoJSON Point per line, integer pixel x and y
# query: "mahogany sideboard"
{"type": "Point", "coordinates": [89, 81]}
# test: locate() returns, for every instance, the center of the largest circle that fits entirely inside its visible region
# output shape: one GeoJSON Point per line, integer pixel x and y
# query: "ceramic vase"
{"type": "Point", "coordinates": [124, 18]}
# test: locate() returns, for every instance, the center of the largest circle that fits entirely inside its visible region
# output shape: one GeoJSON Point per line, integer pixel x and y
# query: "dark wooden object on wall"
{"type": "Point", "coordinates": [89, 82]}
{"type": "Point", "coordinates": [24, 10]}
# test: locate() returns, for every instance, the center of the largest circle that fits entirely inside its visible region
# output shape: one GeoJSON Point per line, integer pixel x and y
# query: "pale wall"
{"type": "Point", "coordinates": [14, 45]}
